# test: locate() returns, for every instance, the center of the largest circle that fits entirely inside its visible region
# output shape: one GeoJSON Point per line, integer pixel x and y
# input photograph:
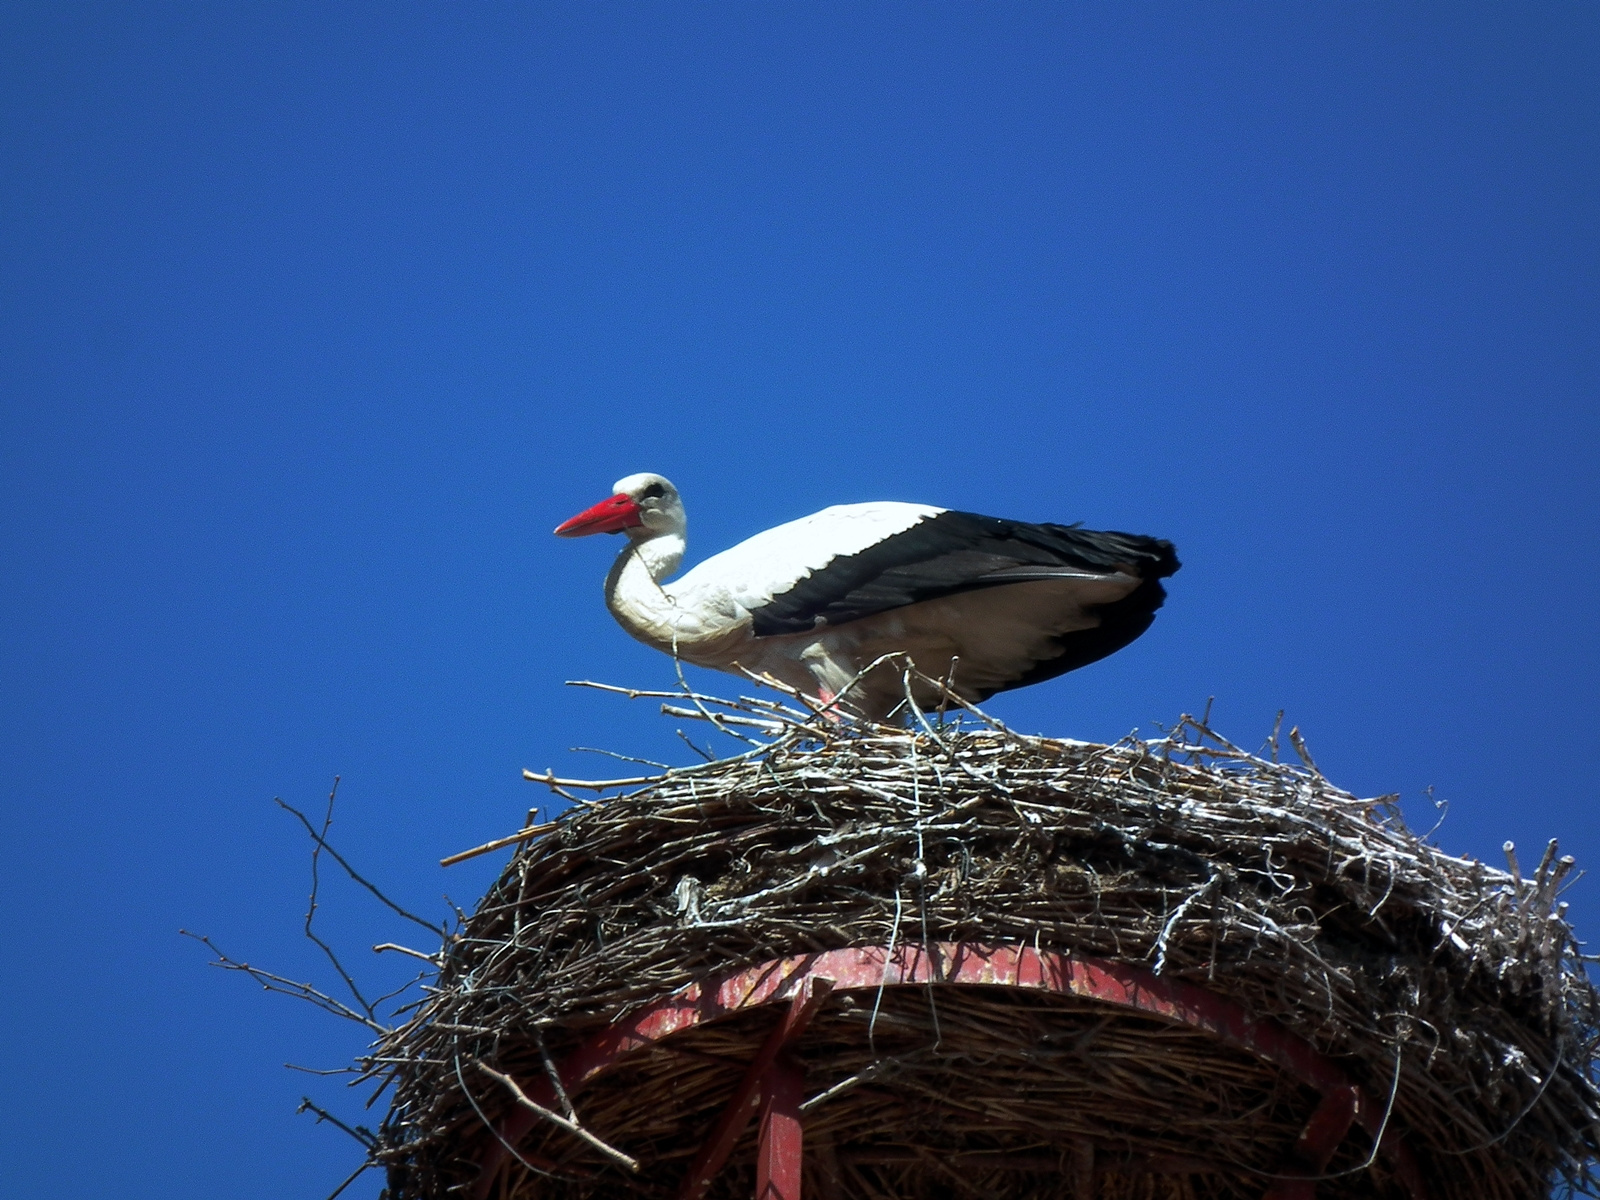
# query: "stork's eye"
{"type": "Point", "coordinates": [653, 492]}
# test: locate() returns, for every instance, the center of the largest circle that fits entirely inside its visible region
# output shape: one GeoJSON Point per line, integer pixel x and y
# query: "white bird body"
{"type": "Point", "coordinates": [988, 603]}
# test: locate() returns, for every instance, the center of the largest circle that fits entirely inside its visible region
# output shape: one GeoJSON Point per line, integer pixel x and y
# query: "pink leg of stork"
{"type": "Point", "coordinates": [825, 697]}
{"type": "Point", "coordinates": [778, 1160]}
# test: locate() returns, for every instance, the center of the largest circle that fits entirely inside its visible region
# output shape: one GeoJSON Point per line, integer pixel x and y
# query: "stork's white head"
{"type": "Point", "coordinates": [644, 506]}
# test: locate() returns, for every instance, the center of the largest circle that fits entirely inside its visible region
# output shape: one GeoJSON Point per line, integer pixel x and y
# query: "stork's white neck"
{"type": "Point", "coordinates": [660, 553]}
{"type": "Point", "coordinates": [633, 588]}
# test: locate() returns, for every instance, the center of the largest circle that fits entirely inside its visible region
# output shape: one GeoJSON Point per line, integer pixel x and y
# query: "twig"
{"type": "Point", "coordinates": [278, 983]}
{"type": "Point", "coordinates": [1300, 748]}
{"type": "Point", "coordinates": [555, 1118]}
{"type": "Point", "coordinates": [526, 833]}
{"type": "Point", "coordinates": [766, 726]}
{"type": "Point", "coordinates": [351, 1178]}
{"type": "Point", "coordinates": [1521, 1114]}
{"type": "Point", "coordinates": [554, 1075]}
{"type": "Point", "coordinates": [322, 1070]}
{"type": "Point", "coordinates": [690, 695]}
{"type": "Point", "coordinates": [356, 875]}
{"type": "Point", "coordinates": [321, 838]}
{"type": "Point", "coordinates": [706, 755]}
{"type": "Point", "coordinates": [361, 1134]}
{"type": "Point", "coordinates": [883, 982]}
{"type": "Point", "coordinates": [492, 1127]}
{"type": "Point", "coordinates": [407, 985]}
{"type": "Point", "coordinates": [643, 762]}
{"type": "Point", "coordinates": [594, 785]}
{"type": "Point", "coordinates": [381, 947]}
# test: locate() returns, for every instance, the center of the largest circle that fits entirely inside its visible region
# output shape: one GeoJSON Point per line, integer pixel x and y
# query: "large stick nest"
{"type": "Point", "coordinates": [1453, 993]}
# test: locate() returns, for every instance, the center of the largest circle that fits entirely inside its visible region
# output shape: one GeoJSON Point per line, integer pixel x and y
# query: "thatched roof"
{"type": "Point", "coordinates": [1453, 993]}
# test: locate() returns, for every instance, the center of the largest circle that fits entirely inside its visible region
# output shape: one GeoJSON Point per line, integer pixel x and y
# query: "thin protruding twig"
{"type": "Point", "coordinates": [356, 875]}
{"type": "Point", "coordinates": [490, 1125]}
{"type": "Point", "coordinates": [633, 758]}
{"type": "Point", "coordinates": [320, 840]}
{"type": "Point", "coordinates": [349, 1179]}
{"type": "Point", "coordinates": [273, 982]}
{"type": "Point", "coordinates": [593, 785]}
{"type": "Point", "coordinates": [705, 755]}
{"type": "Point", "coordinates": [673, 710]}
{"type": "Point", "coordinates": [554, 1075]}
{"type": "Point", "coordinates": [526, 833]}
{"type": "Point", "coordinates": [947, 687]}
{"type": "Point", "coordinates": [1300, 748]}
{"type": "Point", "coordinates": [555, 1118]}
{"type": "Point", "coordinates": [381, 947]}
{"type": "Point", "coordinates": [360, 1132]}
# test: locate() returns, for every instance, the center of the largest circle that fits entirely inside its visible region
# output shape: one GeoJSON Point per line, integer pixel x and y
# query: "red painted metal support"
{"type": "Point", "coordinates": [782, 1146]}
{"type": "Point", "coordinates": [966, 963]}
{"type": "Point", "coordinates": [1314, 1149]}
{"type": "Point", "coordinates": [808, 999]}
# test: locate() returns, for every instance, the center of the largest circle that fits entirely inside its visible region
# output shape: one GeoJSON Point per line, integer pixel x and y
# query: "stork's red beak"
{"type": "Point", "coordinates": [609, 516]}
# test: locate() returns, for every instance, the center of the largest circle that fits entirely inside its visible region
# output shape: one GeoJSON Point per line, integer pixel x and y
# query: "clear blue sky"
{"type": "Point", "coordinates": [315, 319]}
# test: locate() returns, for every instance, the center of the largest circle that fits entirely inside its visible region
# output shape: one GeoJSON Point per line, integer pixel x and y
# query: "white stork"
{"type": "Point", "coordinates": [814, 602]}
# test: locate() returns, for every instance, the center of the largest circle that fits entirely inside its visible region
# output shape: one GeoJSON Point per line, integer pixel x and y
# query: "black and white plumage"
{"type": "Point", "coordinates": [815, 601]}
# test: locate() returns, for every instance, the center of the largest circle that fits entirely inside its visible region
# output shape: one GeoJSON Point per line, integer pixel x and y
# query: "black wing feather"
{"type": "Point", "coordinates": [956, 552]}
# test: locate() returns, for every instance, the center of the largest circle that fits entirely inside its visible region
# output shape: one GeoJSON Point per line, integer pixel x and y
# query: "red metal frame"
{"type": "Point", "coordinates": [804, 980]}
{"type": "Point", "coordinates": [781, 1147]}
{"type": "Point", "coordinates": [1314, 1148]}
{"type": "Point", "coordinates": [754, 1088]}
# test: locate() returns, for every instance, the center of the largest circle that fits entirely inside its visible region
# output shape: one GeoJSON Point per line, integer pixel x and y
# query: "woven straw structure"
{"type": "Point", "coordinates": [1453, 993]}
